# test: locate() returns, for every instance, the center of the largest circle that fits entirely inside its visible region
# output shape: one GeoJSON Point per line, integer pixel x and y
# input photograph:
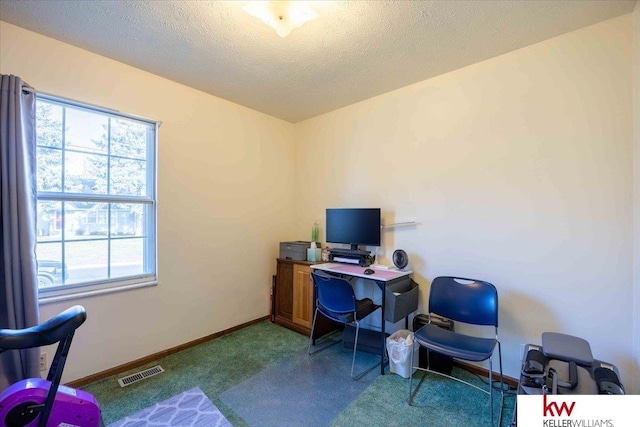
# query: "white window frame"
{"type": "Point", "coordinates": [85, 289]}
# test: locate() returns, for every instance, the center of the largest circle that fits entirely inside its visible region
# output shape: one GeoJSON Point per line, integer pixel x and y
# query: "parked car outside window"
{"type": "Point", "coordinates": [50, 273]}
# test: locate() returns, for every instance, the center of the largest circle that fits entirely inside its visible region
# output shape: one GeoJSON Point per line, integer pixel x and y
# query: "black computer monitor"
{"type": "Point", "coordinates": [354, 226]}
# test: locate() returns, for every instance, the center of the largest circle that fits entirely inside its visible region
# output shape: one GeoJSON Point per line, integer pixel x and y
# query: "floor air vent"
{"type": "Point", "coordinates": [139, 376]}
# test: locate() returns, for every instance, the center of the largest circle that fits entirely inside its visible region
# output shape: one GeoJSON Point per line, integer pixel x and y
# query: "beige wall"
{"type": "Point", "coordinates": [517, 170]}
{"type": "Point", "coordinates": [636, 193]}
{"type": "Point", "coordinates": [224, 188]}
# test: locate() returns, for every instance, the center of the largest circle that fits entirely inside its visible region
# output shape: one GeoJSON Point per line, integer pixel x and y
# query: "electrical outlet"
{"type": "Point", "coordinates": [43, 361]}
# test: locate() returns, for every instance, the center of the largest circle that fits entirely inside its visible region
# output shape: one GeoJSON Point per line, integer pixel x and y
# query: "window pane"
{"type": "Point", "coordinates": [127, 219]}
{"type": "Point", "coordinates": [128, 177]}
{"type": "Point", "coordinates": [85, 173]}
{"type": "Point", "coordinates": [86, 131]}
{"type": "Point", "coordinates": [86, 220]}
{"type": "Point", "coordinates": [128, 139]}
{"type": "Point", "coordinates": [95, 175]}
{"type": "Point", "coordinates": [49, 124]}
{"type": "Point", "coordinates": [127, 257]}
{"type": "Point", "coordinates": [49, 221]}
{"type": "Point", "coordinates": [50, 266]}
{"type": "Point", "coordinates": [49, 169]}
{"type": "Point", "coordinates": [86, 261]}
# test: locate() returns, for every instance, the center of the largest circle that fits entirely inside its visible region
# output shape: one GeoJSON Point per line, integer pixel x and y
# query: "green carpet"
{"type": "Point", "coordinates": [213, 366]}
{"type": "Point", "coordinates": [439, 402]}
{"type": "Point", "coordinates": [222, 363]}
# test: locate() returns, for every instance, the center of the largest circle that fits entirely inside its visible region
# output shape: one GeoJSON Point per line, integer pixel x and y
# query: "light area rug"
{"type": "Point", "coordinates": [302, 390]}
{"type": "Point", "coordinates": [189, 408]}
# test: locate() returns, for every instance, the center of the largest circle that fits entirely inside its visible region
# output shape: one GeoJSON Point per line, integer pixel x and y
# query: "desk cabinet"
{"type": "Point", "coordinates": [295, 304]}
{"type": "Point", "coordinates": [284, 291]}
{"type": "Point", "coordinates": [302, 296]}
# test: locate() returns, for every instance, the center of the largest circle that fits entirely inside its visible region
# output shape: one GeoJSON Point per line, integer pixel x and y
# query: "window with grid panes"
{"type": "Point", "coordinates": [96, 192]}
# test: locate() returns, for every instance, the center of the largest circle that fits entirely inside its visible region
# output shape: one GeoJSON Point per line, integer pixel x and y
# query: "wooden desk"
{"type": "Point", "coordinates": [382, 278]}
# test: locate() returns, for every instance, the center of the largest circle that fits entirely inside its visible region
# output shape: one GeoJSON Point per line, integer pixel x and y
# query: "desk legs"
{"type": "Point", "coordinates": [383, 337]}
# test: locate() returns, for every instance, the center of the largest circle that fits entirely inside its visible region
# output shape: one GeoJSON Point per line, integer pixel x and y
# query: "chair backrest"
{"type": "Point", "coordinates": [464, 300]}
{"type": "Point", "coordinates": [334, 294]}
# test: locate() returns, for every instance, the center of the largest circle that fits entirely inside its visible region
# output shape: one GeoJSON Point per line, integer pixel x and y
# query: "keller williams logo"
{"type": "Point", "coordinates": [549, 408]}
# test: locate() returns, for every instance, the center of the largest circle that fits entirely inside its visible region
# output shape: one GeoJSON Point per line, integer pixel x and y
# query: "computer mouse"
{"type": "Point", "coordinates": [369, 271]}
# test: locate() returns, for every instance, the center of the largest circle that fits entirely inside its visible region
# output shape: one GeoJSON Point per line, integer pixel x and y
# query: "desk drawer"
{"type": "Point", "coordinates": [400, 300]}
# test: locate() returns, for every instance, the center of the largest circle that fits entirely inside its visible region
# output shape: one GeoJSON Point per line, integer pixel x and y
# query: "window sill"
{"type": "Point", "coordinates": [49, 299]}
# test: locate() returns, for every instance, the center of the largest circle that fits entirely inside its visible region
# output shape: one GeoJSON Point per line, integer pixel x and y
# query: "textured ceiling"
{"type": "Point", "coordinates": [353, 51]}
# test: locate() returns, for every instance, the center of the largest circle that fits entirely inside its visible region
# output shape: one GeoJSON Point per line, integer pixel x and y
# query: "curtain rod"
{"type": "Point", "coordinates": [54, 97]}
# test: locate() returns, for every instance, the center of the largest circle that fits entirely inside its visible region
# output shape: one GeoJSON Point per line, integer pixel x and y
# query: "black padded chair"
{"type": "Point", "coordinates": [468, 301]}
{"type": "Point", "coordinates": [336, 301]}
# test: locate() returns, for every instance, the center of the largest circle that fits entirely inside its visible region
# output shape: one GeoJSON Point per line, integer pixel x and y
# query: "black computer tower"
{"type": "Point", "coordinates": [439, 362]}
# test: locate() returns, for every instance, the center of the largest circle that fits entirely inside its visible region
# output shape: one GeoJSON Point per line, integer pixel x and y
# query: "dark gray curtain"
{"type": "Point", "coordinates": [18, 274]}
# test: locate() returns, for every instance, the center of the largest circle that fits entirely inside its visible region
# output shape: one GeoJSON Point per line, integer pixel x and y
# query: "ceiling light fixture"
{"type": "Point", "coordinates": [282, 16]}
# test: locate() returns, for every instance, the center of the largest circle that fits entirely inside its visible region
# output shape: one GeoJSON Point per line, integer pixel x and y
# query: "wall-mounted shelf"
{"type": "Point", "coordinates": [398, 224]}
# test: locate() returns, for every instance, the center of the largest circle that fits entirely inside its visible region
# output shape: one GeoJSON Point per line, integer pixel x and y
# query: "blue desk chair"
{"type": "Point", "coordinates": [468, 301]}
{"type": "Point", "coordinates": [336, 301]}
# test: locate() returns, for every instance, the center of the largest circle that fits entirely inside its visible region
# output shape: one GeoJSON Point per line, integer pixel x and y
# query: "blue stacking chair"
{"type": "Point", "coordinates": [467, 301]}
{"type": "Point", "coordinates": [336, 301]}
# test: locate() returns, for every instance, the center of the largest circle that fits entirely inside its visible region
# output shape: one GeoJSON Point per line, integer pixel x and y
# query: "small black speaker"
{"type": "Point", "coordinates": [400, 259]}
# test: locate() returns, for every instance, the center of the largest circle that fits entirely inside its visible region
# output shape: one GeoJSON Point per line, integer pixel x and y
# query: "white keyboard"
{"type": "Point", "coordinates": [382, 267]}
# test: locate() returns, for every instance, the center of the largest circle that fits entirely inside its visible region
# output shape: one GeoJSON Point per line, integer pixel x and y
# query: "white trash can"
{"type": "Point", "coordinates": [399, 346]}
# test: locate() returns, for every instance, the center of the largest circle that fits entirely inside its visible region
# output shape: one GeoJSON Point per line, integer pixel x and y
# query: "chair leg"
{"type": "Point", "coordinates": [312, 340]}
{"type": "Point", "coordinates": [313, 327]}
{"type": "Point", "coordinates": [490, 392]}
{"type": "Point", "coordinates": [353, 359]}
{"type": "Point", "coordinates": [500, 362]}
{"type": "Point", "coordinates": [355, 347]}
{"type": "Point", "coordinates": [501, 384]}
{"type": "Point", "coordinates": [491, 388]}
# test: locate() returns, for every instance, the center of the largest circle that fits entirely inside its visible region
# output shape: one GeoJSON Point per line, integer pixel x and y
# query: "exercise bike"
{"type": "Point", "coordinates": [36, 402]}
